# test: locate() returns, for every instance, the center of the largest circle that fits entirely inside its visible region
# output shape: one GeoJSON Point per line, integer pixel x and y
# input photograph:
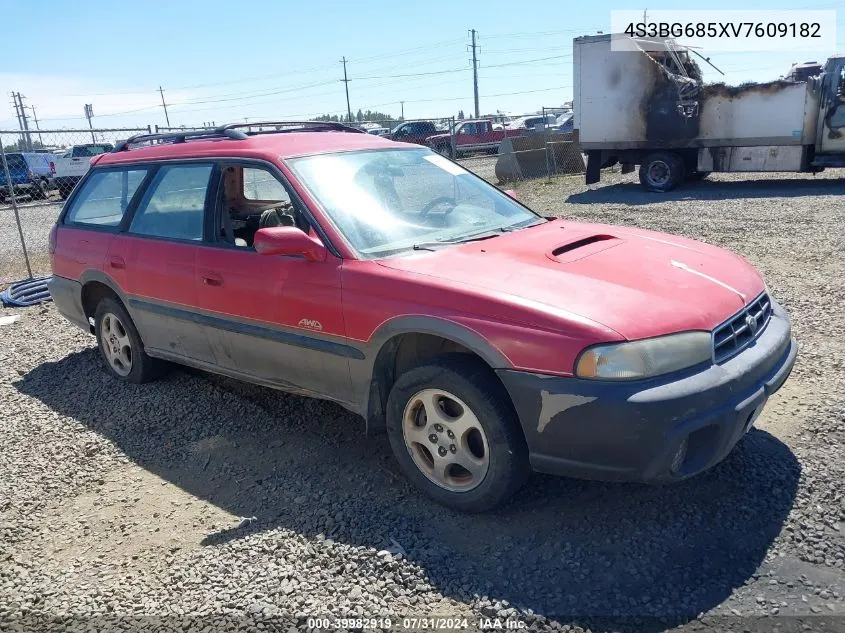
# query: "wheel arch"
{"type": "Point", "coordinates": [404, 342]}
{"type": "Point", "coordinates": [95, 286]}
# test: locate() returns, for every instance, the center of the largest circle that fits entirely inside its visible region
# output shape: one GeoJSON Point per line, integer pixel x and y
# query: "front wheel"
{"type": "Point", "coordinates": [661, 171]}
{"type": "Point", "coordinates": [455, 434]}
{"type": "Point", "coordinates": [444, 149]}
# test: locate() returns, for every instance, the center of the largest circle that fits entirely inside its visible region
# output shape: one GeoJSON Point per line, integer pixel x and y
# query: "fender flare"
{"type": "Point", "coordinates": [369, 383]}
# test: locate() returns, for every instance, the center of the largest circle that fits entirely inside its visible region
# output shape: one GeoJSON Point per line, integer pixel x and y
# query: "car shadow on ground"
{"type": "Point", "coordinates": [632, 193]}
{"type": "Point", "coordinates": [570, 550]}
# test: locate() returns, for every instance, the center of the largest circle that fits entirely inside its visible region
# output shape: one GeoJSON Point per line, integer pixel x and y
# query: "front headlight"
{"type": "Point", "coordinates": [642, 359]}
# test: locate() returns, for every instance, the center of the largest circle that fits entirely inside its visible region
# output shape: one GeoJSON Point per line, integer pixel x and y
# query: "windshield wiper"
{"type": "Point", "coordinates": [486, 235]}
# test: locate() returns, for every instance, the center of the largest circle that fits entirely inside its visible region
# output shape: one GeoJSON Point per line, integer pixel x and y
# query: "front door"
{"type": "Point", "coordinates": [273, 319]}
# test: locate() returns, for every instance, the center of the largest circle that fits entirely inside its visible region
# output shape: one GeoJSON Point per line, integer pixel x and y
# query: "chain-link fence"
{"type": "Point", "coordinates": [38, 170]}
{"type": "Point", "coordinates": [45, 165]}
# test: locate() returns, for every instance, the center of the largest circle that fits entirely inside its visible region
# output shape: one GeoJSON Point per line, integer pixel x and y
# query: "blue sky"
{"type": "Point", "coordinates": [224, 61]}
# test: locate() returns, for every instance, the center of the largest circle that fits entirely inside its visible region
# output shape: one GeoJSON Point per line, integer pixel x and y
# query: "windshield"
{"type": "Point", "coordinates": [387, 201]}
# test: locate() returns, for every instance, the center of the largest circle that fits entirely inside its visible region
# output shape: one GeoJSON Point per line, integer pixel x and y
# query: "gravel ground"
{"type": "Point", "coordinates": [200, 503]}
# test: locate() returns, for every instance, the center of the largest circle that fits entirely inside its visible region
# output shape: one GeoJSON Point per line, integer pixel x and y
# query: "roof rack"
{"type": "Point", "coordinates": [232, 131]}
{"type": "Point", "coordinates": [179, 137]}
{"type": "Point", "coordinates": [295, 126]}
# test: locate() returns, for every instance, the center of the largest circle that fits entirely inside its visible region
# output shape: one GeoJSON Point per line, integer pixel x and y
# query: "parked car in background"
{"type": "Point", "coordinates": [532, 122]}
{"type": "Point", "coordinates": [378, 131]}
{"type": "Point", "coordinates": [74, 164]}
{"type": "Point", "coordinates": [32, 173]}
{"type": "Point", "coordinates": [468, 136]}
{"type": "Point", "coordinates": [413, 132]}
{"type": "Point", "coordinates": [565, 123]}
{"type": "Point", "coordinates": [483, 338]}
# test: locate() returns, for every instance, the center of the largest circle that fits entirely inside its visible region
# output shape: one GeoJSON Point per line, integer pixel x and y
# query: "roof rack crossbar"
{"type": "Point", "coordinates": [180, 137]}
{"type": "Point", "coordinates": [300, 126]}
{"type": "Point", "coordinates": [232, 131]}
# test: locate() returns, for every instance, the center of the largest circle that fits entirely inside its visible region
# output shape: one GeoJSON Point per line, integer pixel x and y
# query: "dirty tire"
{"type": "Point", "coordinates": [662, 171]}
{"type": "Point", "coordinates": [40, 190]}
{"type": "Point", "coordinates": [143, 367]}
{"type": "Point", "coordinates": [473, 382]}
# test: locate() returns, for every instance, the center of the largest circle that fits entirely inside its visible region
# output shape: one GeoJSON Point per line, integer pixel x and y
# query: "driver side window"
{"type": "Point", "coordinates": [253, 198]}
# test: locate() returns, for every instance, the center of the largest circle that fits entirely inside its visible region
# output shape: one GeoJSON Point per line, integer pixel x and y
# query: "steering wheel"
{"type": "Point", "coordinates": [437, 202]}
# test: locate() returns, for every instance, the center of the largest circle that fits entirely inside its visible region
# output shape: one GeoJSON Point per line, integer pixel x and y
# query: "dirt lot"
{"type": "Point", "coordinates": [199, 503]}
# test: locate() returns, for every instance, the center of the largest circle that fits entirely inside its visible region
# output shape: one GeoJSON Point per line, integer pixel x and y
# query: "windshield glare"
{"type": "Point", "coordinates": [386, 201]}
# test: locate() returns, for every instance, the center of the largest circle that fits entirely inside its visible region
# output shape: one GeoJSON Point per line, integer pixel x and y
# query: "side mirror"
{"type": "Point", "coordinates": [511, 193]}
{"type": "Point", "coordinates": [288, 240]}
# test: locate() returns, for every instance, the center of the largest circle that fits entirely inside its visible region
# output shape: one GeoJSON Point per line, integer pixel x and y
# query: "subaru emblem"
{"type": "Point", "coordinates": [751, 322]}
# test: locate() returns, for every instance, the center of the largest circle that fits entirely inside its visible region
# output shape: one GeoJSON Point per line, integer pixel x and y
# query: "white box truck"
{"type": "Point", "coordinates": [646, 105]}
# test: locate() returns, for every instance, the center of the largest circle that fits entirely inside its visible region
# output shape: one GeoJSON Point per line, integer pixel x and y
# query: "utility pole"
{"type": "Point", "coordinates": [402, 116]}
{"type": "Point", "coordinates": [89, 114]}
{"type": "Point", "coordinates": [35, 118]}
{"type": "Point", "coordinates": [17, 112]}
{"type": "Point", "coordinates": [475, 74]}
{"type": "Point", "coordinates": [346, 83]}
{"type": "Point", "coordinates": [164, 105]}
{"type": "Point", "coordinates": [28, 140]}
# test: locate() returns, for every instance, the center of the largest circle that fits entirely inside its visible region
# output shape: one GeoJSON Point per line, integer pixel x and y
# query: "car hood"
{"type": "Point", "coordinates": [639, 283]}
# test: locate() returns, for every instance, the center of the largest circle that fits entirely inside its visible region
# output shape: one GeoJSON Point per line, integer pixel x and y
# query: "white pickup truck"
{"type": "Point", "coordinates": [73, 163]}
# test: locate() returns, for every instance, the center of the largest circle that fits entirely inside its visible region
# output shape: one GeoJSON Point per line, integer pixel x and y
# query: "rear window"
{"type": "Point", "coordinates": [15, 162]}
{"type": "Point", "coordinates": [104, 197]}
{"type": "Point", "coordinates": [90, 150]}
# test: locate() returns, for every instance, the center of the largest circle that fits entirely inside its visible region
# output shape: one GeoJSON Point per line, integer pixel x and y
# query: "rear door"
{"type": "Point", "coordinates": [274, 319]}
{"type": "Point", "coordinates": [156, 258]}
{"type": "Point", "coordinates": [92, 219]}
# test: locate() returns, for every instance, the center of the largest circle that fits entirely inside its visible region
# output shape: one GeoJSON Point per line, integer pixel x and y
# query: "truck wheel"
{"type": "Point", "coordinates": [443, 148]}
{"type": "Point", "coordinates": [661, 171]}
{"type": "Point", "coordinates": [455, 434]}
{"type": "Point", "coordinates": [40, 190]}
{"type": "Point", "coordinates": [120, 344]}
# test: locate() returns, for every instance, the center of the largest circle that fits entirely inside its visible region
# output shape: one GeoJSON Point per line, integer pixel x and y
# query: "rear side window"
{"type": "Point", "coordinates": [174, 204]}
{"type": "Point", "coordinates": [104, 197]}
{"type": "Point", "coordinates": [90, 150]}
{"type": "Point", "coordinates": [15, 162]}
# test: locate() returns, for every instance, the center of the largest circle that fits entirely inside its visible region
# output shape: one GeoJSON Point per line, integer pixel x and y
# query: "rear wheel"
{"type": "Point", "coordinates": [40, 190]}
{"type": "Point", "coordinates": [661, 171]}
{"type": "Point", "coordinates": [443, 148]}
{"type": "Point", "coordinates": [120, 344]}
{"type": "Point", "coordinates": [455, 434]}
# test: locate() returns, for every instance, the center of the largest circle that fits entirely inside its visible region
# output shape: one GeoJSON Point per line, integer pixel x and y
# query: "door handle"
{"type": "Point", "coordinates": [212, 279]}
{"type": "Point", "coordinates": [117, 262]}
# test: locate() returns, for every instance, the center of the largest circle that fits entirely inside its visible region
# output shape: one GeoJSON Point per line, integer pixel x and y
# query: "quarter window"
{"type": "Point", "coordinates": [174, 204]}
{"type": "Point", "coordinates": [104, 197]}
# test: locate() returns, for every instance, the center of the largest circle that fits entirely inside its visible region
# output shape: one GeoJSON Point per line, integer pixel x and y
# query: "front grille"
{"type": "Point", "coordinates": [736, 333]}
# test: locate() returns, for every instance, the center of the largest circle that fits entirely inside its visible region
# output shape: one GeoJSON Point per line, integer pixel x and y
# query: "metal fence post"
{"type": "Point", "coordinates": [452, 152]}
{"type": "Point", "coordinates": [546, 143]}
{"type": "Point", "coordinates": [11, 193]}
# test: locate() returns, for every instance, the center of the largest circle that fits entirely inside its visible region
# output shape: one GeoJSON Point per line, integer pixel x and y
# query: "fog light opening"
{"type": "Point", "coordinates": [680, 457]}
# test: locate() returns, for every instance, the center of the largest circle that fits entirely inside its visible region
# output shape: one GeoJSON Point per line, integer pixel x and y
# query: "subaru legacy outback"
{"type": "Point", "coordinates": [486, 340]}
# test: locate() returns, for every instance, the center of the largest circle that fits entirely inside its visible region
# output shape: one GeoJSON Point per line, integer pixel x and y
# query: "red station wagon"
{"type": "Point", "coordinates": [485, 339]}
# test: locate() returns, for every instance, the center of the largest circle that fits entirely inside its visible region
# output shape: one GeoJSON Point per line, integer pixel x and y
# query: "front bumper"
{"type": "Point", "coordinates": [632, 431]}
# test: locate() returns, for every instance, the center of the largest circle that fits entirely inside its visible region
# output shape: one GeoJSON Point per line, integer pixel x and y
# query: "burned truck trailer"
{"type": "Point", "coordinates": [644, 103]}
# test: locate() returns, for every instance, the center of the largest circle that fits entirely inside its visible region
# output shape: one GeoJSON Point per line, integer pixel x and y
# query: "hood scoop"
{"type": "Point", "coordinates": [582, 247]}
